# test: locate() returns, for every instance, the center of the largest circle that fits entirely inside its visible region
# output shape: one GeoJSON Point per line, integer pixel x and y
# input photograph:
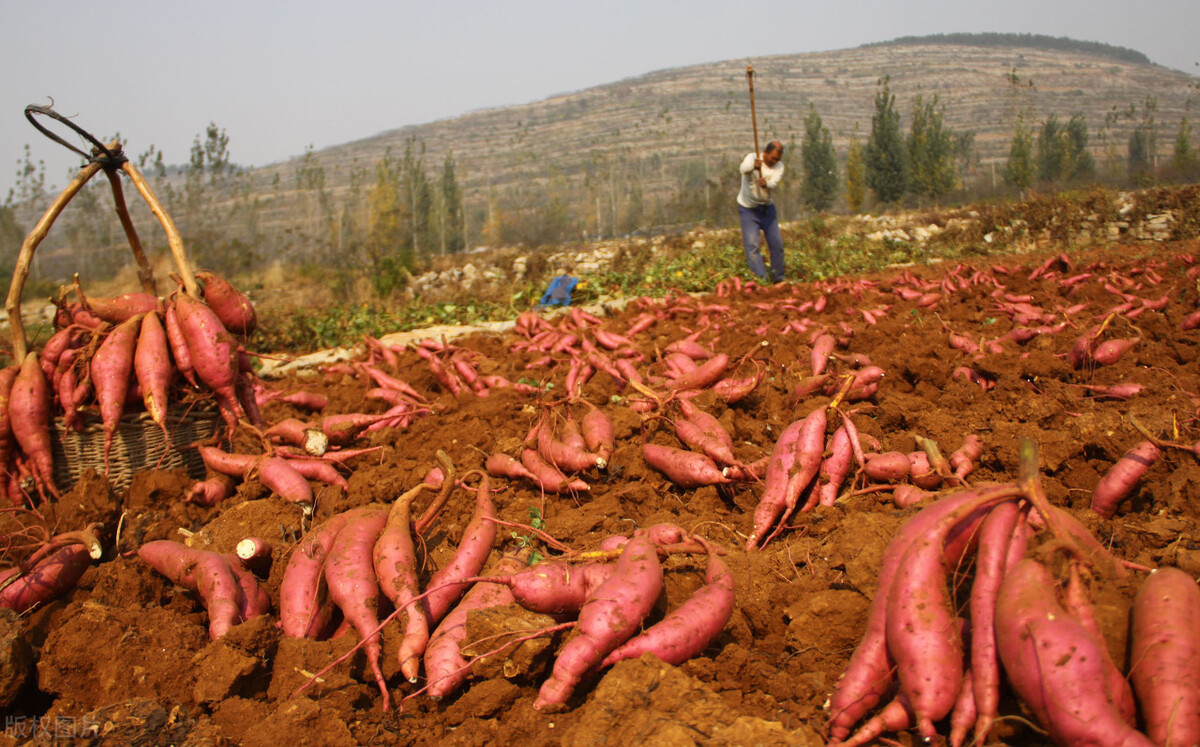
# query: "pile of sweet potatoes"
{"type": "Point", "coordinates": [113, 356]}
{"type": "Point", "coordinates": [1025, 618]}
{"type": "Point", "coordinates": [357, 564]}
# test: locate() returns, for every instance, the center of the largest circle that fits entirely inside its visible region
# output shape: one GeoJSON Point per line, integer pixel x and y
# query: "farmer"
{"type": "Point", "coordinates": [759, 177]}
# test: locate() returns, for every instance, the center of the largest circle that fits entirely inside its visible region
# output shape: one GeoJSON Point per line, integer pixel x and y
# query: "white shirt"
{"type": "Point", "coordinates": [751, 194]}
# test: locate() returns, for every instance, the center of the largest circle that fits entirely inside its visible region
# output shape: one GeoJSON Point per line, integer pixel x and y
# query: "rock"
{"type": "Point", "coordinates": [470, 276]}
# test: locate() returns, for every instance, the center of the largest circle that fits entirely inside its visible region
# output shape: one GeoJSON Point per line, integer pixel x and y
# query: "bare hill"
{"type": "Point", "coordinates": [656, 125]}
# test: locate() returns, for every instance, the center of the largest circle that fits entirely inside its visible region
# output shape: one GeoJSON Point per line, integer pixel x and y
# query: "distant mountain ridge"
{"type": "Point", "coordinates": [1036, 41]}
{"type": "Point", "coordinates": [659, 130]}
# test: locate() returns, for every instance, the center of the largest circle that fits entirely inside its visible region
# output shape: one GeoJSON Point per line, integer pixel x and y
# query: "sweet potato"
{"type": "Point", "coordinates": [685, 631]}
{"type": "Point", "coordinates": [282, 477]}
{"type": "Point", "coordinates": [152, 366]}
{"type": "Point", "coordinates": [822, 348]}
{"type": "Point", "coordinates": [1078, 604]}
{"type": "Point", "coordinates": [835, 466]}
{"type": "Point", "coordinates": [732, 390]}
{"type": "Point", "coordinates": [319, 470]}
{"type": "Point", "coordinates": [395, 563]}
{"type": "Point", "coordinates": [597, 432]}
{"type": "Point", "coordinates": [213, 353]}
{"type": "Point", "coordinates": [607, 619]}
{"type": "Point", "coordinates": [562, 454]}
{"type": "Point", "coordinates": [890, 466]}
{"type": "Point", "coordinates": [444, 588]}
{"type": "Point", "coordinates": [869, 675]}
{"type": "Point", "coordinates": [774, 496]}
{"type": "Point", "coordinates": [548, 477]}
{"type": "Point", "coordinates": [48, 579]}
{"type": "Point", "coordinates": [445, 667]}
{"type": "Point", "coordinates": [299, 433]}
{"type": "Point", "coordinates": [225, 463]}
{"type": "Point", "coordinates": [231, 306]}
{"type": "Point", "coordinates": [965, 457]}
{"type": "Point", "coordinates": [990, 561]}
{"type": "Point", "coordinates": [708, 424]}
{"type": "Point", "coordinates": [29, 417]}
{"type": "Point", "coordinates": [1122, 478]}
{"type": "Point", "coordinates": [687, 469]}
{"type": "Point", "coordinates": [118, 309]}
{"type": "Point", "coordinates": [502, 465]}
{"type": "Point", "coordinates": [8, 375]}
{"type": "Point", "coordinates": [1054, 664]}
{"type": "Point", "coordinates": [211, 491]}
{"type": "Point", "coordinates": [179, 347]}
{"type": "Point", "coordinates": [555, 587]}
{"type": "Point", "coordinates": [1165, 656]}
{"type": "Point", "coordinates": [207, 573]}
{"type": "Point", "coordinates": [304, 611]}
{"type": "Point", "coordinates": [350, 573]}
{"type": "Point", "coordinates": [794, 472]}
{"type": "Point", "coordinates": [703, 375]}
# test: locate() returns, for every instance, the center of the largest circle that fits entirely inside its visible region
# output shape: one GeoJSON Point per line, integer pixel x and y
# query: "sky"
{"type": "Point", "coordinates": [280, 77]}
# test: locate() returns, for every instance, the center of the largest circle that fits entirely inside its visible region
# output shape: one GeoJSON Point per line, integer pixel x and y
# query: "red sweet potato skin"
{"type": "Point", "coordinates": [1165, 656]}
{"type": "Point", "coordinates": [684, 632]}
{"type": "Point", "coordinates": [304, 608]}
{"type": "Point", "coordinates": [1119, 481]}
{"type": "Point", "coordinates": [230, 305]}
{"type": "Point", "coordinates": [29, 417]}
{"type": "Point", "coordinates": [608, 619]}
{"type": "Point", "coordinates": [46, 581]}
{"type": "Point", "coordinates": [1054, 664]}
{"type": "Point", "coordinates": [445, 667]}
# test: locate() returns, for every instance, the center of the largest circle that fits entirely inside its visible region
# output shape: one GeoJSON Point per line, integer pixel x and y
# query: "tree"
{"type": "Point", "coordinates": [885, 166]}
{"type": "Point", "coordinates": [930, 150]}
{"type": "Point", "coordinates": [1062, 150]}
{"type": "Point", "coordinates": [418, 195]}
{"type": "Point", "coordinates": [1020, 171]}
{"type": "Point", "coordinates": [819, 161]}
{"type": "Point", "coordinates": [1052, 156]}
{"type": "Point", "coordinates": [386, 250]}
{"type": "Point", "coordinates": [1138, 164]}
{"type": "Point", "coordinates": [1141, 162]}
{"type": "Point", "coordinates": [856, 176]}
{"type": "Point", "coordinates": [1183, 155]}
{"type": "Point", "coordinates": [450, 229]}
{"type": "Point", "coordinates": [1083, 165]}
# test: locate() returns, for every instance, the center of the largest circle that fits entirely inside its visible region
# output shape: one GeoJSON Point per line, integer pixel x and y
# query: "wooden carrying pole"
{"type": "Point", "coordinates": [753, 116]}
{"type": "Point", "coordinates": [25, 259]}
{"type": "Point", "coordinates": [13, 304]}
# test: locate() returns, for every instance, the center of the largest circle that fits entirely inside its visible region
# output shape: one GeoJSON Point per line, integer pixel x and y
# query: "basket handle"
{"type": "Point", "coordinates": [110, 158]}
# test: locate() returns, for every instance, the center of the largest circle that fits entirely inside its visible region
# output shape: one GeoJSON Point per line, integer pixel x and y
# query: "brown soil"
{"type": "Point", "coordinates": [127, 655]}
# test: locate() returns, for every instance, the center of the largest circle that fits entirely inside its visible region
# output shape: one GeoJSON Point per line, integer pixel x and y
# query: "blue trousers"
{"type": "Point", "coordinates": [762, 219]}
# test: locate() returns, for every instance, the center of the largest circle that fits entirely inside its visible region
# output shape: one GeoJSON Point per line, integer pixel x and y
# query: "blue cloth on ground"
{"type": "Point", "coordinates": [559, 292]}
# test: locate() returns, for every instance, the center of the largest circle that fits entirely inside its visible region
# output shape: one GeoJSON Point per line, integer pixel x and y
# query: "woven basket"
{"type": "Point", "coordinates": [138, 444]}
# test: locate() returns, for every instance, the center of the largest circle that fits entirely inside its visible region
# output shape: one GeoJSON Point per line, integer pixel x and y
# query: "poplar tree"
{"type": "Point", "coordinates": [1020, 171]}
{"type": "Point", "coordinates": [819, 160]}
{"type": "Point", "coordinates": [856, 176]}
{"type": "Point", "coordinates": [930, 147]}
{"type": "Point", "coordinates": [885, 148]}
